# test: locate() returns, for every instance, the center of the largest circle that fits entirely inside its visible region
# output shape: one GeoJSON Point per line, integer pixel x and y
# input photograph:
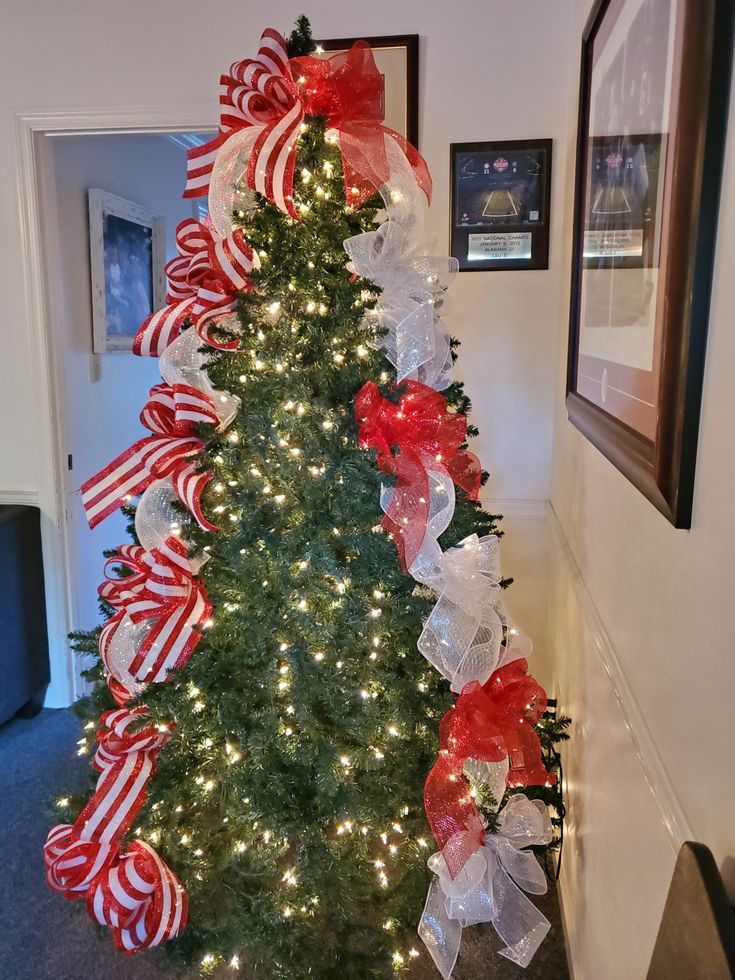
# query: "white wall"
{"type": "Point", "coordinates": [489, 70]}
{"type": "Point", "coordinates": [642, 620]}
{"type": "Point", "coordinates": [101, 394]}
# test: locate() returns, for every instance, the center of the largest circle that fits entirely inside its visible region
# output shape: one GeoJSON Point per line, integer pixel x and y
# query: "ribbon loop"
{"type": "Point", "coordinates": [161, 610]}
{"type": "Point", "coordinates": [463, 634]}
{"type": "Point", "coordinates": [204, 281]}
{"type": "Point", "coordinates": [171, 413]}
{"type": "Point", "coordinates": [488, 723]}
{"type": "Point", "coordinates": [415, 439]}
{"type": "Point", "coordinates": [490, 886]}
{"type": "Point", "coordinates": [140, 899]}
{"type": "Point", "coordinates": [408, 310]}
{"type": "Point", "coordinates": [258, 93]}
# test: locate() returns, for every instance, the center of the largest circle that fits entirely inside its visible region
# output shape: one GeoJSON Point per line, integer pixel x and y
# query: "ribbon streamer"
{"type": "Point", "coordinates": [204, 281]}
{"type": "Point", "coordinates": [172, 414]}
{"type": "Point", "coordinates": [126, 758]}
{"type": "Point", "coordinates": [490, 887]}
{"type": "Point", "coordinates": [407, 313]}
{"type": "Point", "coordinates": [427, 438]}
{"type": "Point", "coordinates": [134, 893]}
{"type": "Point", "coordinates": [463, 634]}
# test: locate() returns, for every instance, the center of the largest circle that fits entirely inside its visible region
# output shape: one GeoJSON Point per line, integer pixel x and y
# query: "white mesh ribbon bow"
{"type": "Point", "coordinates": [490, 887]}
{"type": "Point", "coordinates": [413, 287]}
{"type": "Point", "coordinates": [463, 635]}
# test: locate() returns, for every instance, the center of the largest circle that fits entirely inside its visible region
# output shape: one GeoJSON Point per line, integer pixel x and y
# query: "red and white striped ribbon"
{"type": "Point", "coordinates": [171, 413]}
{"type": "Point", "coordinates": [140, 899]}
{"type": "Point", "coordinates": [135, 893]}
{"type": "Point", "coordinates": [126, 759]}
{"type": "Point", "coordinates": [76, 854]}
{"type": "Point", "coordinates": [72, 864]}
{"type": "Point", "coordinates": [257, 92]}
{"type": "Point", "coordinates": [161, 589]}
{"type": "Point", "coordinates": [203, 284]}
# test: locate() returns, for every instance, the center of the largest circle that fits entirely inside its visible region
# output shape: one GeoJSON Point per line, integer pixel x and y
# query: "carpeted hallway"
{"type": "Point", "coordinates": [42, 936]}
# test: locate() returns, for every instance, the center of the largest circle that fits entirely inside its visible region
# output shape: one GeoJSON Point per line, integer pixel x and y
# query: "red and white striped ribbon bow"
{"type": "Point", "coordinates": [257, 92]}
{"type": "Point", "coordinates": [171, 413]}
{"type": "Point", "coordinates": [140, 899]}
{"type": "Point", "coordinates": [203, 282]}
{"type": "Point", "coordinates": [134, 893]}
{"type": "Point", "coordinates": [161, 588]}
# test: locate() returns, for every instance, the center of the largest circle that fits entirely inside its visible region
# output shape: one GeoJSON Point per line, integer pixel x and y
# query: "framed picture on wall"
{"type": "Point", "coordinates": [397, 59]}
{"type": "Point", "coordinates": [654, 91]}
{"type": "Point", "coordinates": [499, 204]}
{"type": "Point", "coordinates": [127, 251]}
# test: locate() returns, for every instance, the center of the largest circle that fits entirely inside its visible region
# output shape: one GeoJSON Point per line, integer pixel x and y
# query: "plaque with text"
{"type": "Point", "coordinates": [500, 205]}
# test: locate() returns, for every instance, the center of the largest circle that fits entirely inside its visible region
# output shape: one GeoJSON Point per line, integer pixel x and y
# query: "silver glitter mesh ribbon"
{"type": "Point", "coordinates": [463, 634]}
{"type": "Point", "coordinates": [490, 888]}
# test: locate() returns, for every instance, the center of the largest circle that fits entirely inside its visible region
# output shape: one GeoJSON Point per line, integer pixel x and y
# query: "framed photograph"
{"type": "Point", "coordinates": [499, 204]}
{"type": "Point", "coordinates": [654, 90]}
{"type": "Point", "coordinates": [127, 250]}
{"type": "Point", "coordinates": [397, 59]}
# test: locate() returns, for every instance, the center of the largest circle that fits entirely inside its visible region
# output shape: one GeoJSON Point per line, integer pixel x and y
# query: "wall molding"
{"type": "Point", "coordinates": [25, 496]}
{"type": "Point", "coordinates": [673, 816]}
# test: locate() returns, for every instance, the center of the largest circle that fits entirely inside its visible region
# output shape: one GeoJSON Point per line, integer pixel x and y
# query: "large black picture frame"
{"type": "Point", "coordinates": [663, 467]}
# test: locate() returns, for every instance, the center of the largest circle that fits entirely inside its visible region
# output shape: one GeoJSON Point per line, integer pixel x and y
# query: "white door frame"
{"type": "Point", "coordinates": [48, 395]}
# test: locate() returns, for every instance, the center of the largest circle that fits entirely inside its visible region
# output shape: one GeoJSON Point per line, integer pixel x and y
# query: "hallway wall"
{"type": "Point", "coordinates": [642, 619]}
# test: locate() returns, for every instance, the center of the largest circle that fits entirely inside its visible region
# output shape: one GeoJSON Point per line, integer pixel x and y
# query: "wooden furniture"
{"type": "Point", "coordinates": [696, 939]}
{"type": "Point", "coordinates": [24, 660]}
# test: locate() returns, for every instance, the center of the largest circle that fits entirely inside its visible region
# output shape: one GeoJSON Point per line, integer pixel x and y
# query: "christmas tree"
{"type": "Point", "coordinates": [298, 719]}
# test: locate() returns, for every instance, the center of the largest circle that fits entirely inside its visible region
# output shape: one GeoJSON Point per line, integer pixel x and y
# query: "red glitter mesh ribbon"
{"type": "Point", "coordinates": [411, 438]}
{"type": "Point", "coordinates": [348, 90]}
{"type": "Point", "coordinates": [487, 723]}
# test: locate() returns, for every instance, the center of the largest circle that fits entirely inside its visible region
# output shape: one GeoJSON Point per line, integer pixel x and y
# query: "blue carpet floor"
{"type": "Point", "coordinates": [43, 936]}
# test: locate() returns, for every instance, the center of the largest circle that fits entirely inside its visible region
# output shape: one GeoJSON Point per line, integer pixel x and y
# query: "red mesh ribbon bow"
{"type": "Point", "coordinates": [171, 414]}
{"type": "Point", "coordinates": [203, 283]}
{"type": "Point", "coordinates": [487, 723]}
{"type": "Point", "coordinates": [412, 438]}
{"type": "Point", "coordinates": [257, 92]}
{"type": "Point", "coordinates": [161, 588]}
{"type": "Point", "coordinates": [348, 90]}
{"type": "Point", "coordinates": [144, 903]}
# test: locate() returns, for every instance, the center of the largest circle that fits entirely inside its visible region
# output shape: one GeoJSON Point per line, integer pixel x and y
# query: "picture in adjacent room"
{"type": "Point", "coordinates": [500, 204]}
{"type": "Point", "coordinates": [653, 101]}
{"type": "Point", "coordinates": [127, 252]}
